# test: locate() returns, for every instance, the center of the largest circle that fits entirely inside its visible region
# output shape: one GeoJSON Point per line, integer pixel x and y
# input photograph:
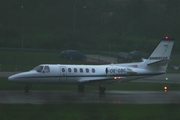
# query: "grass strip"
{"type": "Point", "coordinates": [89, 112]}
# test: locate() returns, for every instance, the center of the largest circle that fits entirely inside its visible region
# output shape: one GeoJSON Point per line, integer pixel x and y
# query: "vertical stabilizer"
{"type": "Point", "coordinates": [163, 50]}
{"type": "Point", "coordinates": [160, 57]}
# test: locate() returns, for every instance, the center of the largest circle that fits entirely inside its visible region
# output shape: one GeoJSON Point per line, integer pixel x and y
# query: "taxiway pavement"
{"type": "Point", "coordinates": [111, 97]}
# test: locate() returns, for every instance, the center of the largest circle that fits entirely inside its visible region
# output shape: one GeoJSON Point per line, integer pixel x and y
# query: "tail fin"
{"type": "Point", "coordinates": [160, 57]}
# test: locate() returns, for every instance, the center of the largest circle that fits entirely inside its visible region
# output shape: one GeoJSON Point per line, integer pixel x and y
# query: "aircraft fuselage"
{"type": "Point", "coordinates": [49, 73]}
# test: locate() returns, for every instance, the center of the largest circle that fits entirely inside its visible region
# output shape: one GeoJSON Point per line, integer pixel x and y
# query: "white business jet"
{"type": "Point", "coordinates": [156, 64]}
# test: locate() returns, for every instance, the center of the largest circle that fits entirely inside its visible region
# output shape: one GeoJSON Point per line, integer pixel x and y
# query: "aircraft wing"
{"type": "Point", "coordinates": [109, 80]}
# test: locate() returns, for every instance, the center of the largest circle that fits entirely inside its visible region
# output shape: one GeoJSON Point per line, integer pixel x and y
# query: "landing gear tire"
{"type": "Point", "coordinates": [102, 91]}
{"type": "Point", "coordinates": [81, 90]}
{"type": "Point", "coordinates": [26, 88]}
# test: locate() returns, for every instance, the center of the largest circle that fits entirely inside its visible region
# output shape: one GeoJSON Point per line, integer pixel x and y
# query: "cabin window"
{"type": "Point", "coordinates": [75, 69]}
{"type": "Point", "coordinates": [93, 70]}
{"type": "Point", "coordinates": [69, 69]}
{"type": "Point", "coordinates": [63, 69]}
{"type": "Point", "coordinates": [81, 70]}
{"type": "Point", "coordinates": [87, 70]}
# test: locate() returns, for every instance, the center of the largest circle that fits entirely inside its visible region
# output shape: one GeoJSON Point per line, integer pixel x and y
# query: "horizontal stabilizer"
{"type": "Point", "coordinates": [160, 62]}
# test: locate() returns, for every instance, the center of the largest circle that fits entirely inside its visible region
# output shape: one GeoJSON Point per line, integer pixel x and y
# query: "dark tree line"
{"type": "Point", "coordinates": [108, 25]}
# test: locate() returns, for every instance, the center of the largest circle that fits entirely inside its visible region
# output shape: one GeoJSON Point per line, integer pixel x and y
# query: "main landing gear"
{"type": "Point", "coordinates": [102, 90]}
{"type": "Point", "coordinates": [81, 90]}
{"type": "Point", "coordinates": [27, 87]}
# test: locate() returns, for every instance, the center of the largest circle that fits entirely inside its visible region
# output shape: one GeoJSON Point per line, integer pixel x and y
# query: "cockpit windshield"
{"type": "Point", "coordinates": [42, 69]}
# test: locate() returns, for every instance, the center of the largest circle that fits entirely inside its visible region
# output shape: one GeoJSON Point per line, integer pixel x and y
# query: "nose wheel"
{"type": "Point", "coordinates": [27, 87]}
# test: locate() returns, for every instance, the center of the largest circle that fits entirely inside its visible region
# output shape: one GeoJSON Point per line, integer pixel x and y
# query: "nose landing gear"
{"type": "Point", "coordinates": [27, 87]}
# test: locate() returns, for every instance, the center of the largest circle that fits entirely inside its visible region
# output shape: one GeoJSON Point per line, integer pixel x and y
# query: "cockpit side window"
{"type": "Point", "coordinates": [42, 69]}
{"type": "Point", "coordinates": [38, 68]}
{"type": "Point", "coordinates": [46, 69]}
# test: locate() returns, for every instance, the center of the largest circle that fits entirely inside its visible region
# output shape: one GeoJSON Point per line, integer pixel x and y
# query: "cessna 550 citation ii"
{"type": "Point", "coordinates": [155, 64]}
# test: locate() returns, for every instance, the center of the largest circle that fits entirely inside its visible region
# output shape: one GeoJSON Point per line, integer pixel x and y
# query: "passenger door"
{"type": "Point", "coordinates": [63, 74]}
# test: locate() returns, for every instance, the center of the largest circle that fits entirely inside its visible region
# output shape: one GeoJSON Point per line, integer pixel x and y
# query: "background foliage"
{"type": "Point", "coordinates": [105, 25]}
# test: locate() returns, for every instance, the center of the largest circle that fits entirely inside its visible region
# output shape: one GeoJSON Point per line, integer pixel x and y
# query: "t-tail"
{"type": "Point", "coordinates": [160, 57]}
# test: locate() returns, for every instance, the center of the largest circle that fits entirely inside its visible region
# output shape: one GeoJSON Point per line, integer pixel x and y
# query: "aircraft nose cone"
{"type": "Point", "coordinates": [19, 77]}
{"type": "Point", "coordinates": [10, 78]}
{"type": "Point", "coordinates": [13, 77]}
